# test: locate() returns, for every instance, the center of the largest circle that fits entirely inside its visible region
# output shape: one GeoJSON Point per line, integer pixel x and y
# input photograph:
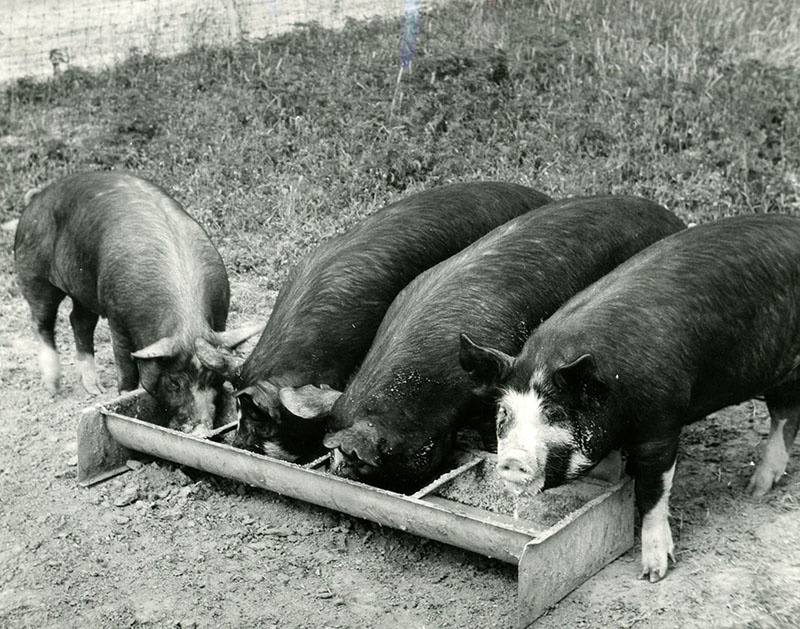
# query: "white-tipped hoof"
{"type": "Point", "coordinates": [657, 546]}
{"type": "Point", "coordinates": [762, 481]}
{"type": "Point", "coordinates": [51, 369]}
{"type": "Point", "coordinates": [657, 567]}
{"type": "Point", "coordinates": [93, 388]}
{"type": "Point", "coordinates": [52, 386]}
{"type": "Point", "coordinates": [773, 465]}
{"type": "Point", "coordinates": [89, 379]}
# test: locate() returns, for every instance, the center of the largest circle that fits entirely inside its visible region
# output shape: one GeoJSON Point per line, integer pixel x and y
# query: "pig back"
{"type": "Point", "coordinates": [125, 249]}
{"type": "Point", "coordinates": [327, 312]}
{"type": "Point", "coordinates": [499, 290]}
{"type": "Point", "coordinates": [705, 318]}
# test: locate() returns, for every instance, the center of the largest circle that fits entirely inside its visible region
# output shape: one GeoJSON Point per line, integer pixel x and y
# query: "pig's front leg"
{"type": "Point", "coordinates": [653, 466]}
{"type": "Point", "coordinates": [127, 371]}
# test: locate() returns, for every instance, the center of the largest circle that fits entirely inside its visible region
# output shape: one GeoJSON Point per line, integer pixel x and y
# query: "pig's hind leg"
{"type": "Point", "coordinates": [784, 411]}
{"type": "Point", "coordinates": [44, 299]}
{"type": "Point", "coordinates": [83, 323]}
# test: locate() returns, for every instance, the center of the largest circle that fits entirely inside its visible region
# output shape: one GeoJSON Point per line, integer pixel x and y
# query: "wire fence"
{"type": "Point", "coordinates": [41, 37]}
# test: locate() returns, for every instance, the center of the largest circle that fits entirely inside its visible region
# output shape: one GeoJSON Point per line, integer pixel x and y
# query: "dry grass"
{"type": "Point", "coordinates": [276, 144]}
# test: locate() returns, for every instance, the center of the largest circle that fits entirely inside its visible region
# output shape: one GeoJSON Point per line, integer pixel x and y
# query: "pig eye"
{"type": "Point", "coordinates": [502, 418]}
{"type": "Point", "coordinates": [172, 384]}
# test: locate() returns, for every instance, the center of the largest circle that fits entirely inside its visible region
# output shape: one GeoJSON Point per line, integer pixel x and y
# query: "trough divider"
{"type": "Point", "coordinates": [222, 430]}
{"type": "Point", "coordinates": [318, 462]}
{"type": "Point", "coordinates": [446, 478]}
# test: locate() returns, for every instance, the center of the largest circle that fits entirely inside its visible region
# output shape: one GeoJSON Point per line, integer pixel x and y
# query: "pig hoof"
{"type": "Point", "coordinates": [761, 482]}
{"type": "Point", "coordinates": [653, 575]}
{"type": "Point", "coordinates": [658, 570]}
{"type": "Point", "coordinates": [657, 550]}
{"type": "Point", "coordinates": [50, 369]}
{"type": "Point", "coordinates": [93, 388]}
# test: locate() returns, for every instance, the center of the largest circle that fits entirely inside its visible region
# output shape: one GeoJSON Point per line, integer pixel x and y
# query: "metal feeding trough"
{"type": "Point", "coordinates": [558, 540]}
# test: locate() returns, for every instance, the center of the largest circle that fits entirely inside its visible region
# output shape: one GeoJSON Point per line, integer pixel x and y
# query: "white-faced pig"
{"type": "Point", "coordinates": [327, 312]}
{"type": "Point", "coordinates": [397, 419]}
{"type": "Point", "coordinates": [703, 319]}
{"type": "Point", "coordinates": [121, 248]}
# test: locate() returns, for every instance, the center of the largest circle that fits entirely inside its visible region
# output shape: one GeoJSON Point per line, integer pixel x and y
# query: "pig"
{"type": "Point", "coordinates": [703, 319]}
{"type": "Point", "coordinates": [329, 308]}
{"type": "Point", "coordinates": [121, 248]}
{"type": "Point", "coordinates": [395, 422]}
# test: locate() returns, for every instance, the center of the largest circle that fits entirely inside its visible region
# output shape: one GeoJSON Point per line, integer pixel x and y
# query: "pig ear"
{"type": "Point", "coordinates": [309, 402]}
{"type": "Point", "coordinates": [223, 363]}
{"type": "Point", "coordinates": [26, 200]}
{"type": "Point", "coordinates": [149, 372]}
{"type": "Point", "coordinates": [264, 395]}
{"type": "Point", "coordinates": [578, 377]}
{"type": "Point", "coordinates": [356, 441]}
{"type": "Point", "coordinates": [486, 367]}
{"type": "Point", "coordinates": [231, 338]}
{"type": "Point", "coordinates": [167, 347]}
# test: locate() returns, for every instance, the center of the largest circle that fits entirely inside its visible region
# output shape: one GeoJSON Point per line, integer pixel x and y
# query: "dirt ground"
{"type": "Point", "coordinates": [164, 546]}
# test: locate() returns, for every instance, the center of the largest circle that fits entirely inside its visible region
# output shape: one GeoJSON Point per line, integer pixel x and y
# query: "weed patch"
{"type": "Point", "coordinates": [277, 144]}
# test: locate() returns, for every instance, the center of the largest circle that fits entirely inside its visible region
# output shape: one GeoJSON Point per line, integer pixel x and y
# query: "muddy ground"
{"type": "Point", "coordinates": [165, 546]}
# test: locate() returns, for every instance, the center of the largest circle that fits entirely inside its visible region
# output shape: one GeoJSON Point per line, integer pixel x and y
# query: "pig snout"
{"type": "Point", "coordinates": [204, 403]}
{"type": "Point", "coordinates": [519, 473]}
{"type": "Point", "coordinates": [194, 413]}
{"type": "Point", "coordinates": [512, 468]}
{"type": "Point", "coordinates": [347, 465]}
{"type": "Point", "coordinates": [338, 462]}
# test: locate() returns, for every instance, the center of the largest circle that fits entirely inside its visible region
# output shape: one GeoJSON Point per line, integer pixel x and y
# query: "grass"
{"type": "Point", "coordinates": [274, 145]}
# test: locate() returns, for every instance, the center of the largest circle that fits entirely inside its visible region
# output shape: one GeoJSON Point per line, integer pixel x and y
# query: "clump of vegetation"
{"type": "Point", "coordinates": [276, 144]}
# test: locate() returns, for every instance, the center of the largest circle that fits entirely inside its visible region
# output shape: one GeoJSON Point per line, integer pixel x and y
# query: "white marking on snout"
{"type": "Point", "coordinates": [337, 459]}
{"type": "Point", "coordinates": [522, 452]}
{"type": "Point", "coordinates": [657, 546]}
{"type": "Point", "coordinates": [204, 405]}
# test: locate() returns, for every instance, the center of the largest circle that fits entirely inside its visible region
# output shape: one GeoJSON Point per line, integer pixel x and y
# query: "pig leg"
{"type": "Point", "coordinates": [784, 412]}
{"type": "Point", "coordinates": [127, 371]}
{"type": "Point", "coordinates": [44, 299]}
{"type": "Point", "coordinates": [83, 323]}
{"type": "Point", "coordinates": [654, 468]}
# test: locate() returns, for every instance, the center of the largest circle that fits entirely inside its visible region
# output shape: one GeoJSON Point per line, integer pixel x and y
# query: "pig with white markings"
{"type": "Point", "coordinates": [327, 312]}
{"type": "Point", "coordinates": [703, 319]}
{"type": "Point", "coordinates": [120, 247]}
{"type": "Point", "coordinates": [395, 423]}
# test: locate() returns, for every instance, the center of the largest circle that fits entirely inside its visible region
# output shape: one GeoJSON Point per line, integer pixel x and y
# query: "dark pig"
{"type": "Point", "coordinates": [397, 419]}
{"type": "Point", "coordinates": [121, 248]}
{"type": "Point", "coordinates": [327, 312]}
{"type": "Point", "coordinates": [703, 319]}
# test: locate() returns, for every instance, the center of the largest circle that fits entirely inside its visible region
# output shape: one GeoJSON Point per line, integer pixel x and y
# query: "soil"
{"type": "Point", "coordinates": [164, 546]}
